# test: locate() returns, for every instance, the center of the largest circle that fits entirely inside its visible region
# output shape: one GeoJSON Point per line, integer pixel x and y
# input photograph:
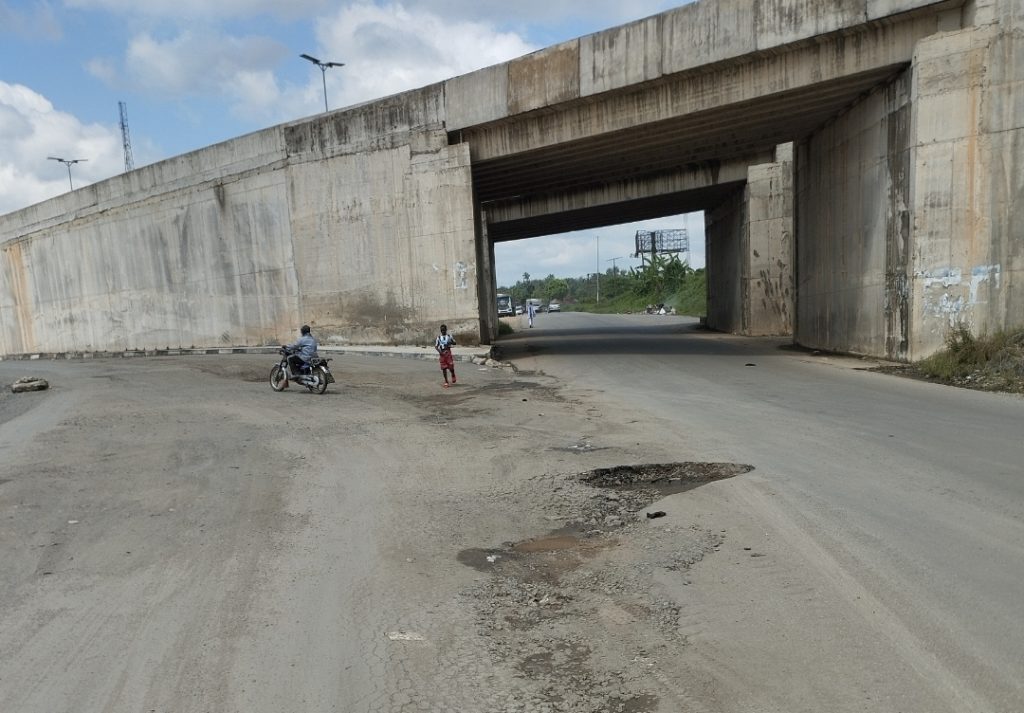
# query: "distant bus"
{"type": "Point", "coordinates": [506, 308]}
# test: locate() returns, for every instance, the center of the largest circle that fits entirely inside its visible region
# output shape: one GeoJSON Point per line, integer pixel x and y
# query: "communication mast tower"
{"type": "Point", "coordinates": [129, 162]}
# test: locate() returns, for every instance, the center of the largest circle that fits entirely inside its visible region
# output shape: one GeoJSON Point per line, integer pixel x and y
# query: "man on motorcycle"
{"type": "Point", "coordinates": [306, 346]}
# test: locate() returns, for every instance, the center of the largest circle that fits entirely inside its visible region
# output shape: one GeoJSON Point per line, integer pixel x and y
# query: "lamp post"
{"type": "Point", "coordinates": [597, 238]}
{"type": "Point", "coordinates": [67, 162]}
{"type": "Point", "coordinates": [323, 71]}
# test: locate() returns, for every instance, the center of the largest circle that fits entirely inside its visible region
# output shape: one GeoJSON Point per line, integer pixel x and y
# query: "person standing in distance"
{"type": "Point", "coordinates": [531, 310]}
{"type": "Point", "coordinates": [443, 344]}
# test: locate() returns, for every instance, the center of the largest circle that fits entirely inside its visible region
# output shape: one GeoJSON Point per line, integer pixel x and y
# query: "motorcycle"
{"type": "Point", "coordinates": [314, 375]}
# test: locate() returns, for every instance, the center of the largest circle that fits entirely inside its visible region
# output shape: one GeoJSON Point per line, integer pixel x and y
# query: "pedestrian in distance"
{"type": "Point", "coordinates": [443, 344]}
{"type": "Point", "coordinates": [531, 310]}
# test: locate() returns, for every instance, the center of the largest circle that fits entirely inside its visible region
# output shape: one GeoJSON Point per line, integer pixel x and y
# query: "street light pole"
{"type": "Point", "coordinates": [324, 66]}
{"type": "Point", "coordinates": [598, 239]}
{"type": "Point", "coordinates": [67, 162]}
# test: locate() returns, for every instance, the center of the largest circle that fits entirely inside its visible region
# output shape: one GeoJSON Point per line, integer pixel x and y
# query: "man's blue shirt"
{"type": "Point", "coordinates": [307, 346]}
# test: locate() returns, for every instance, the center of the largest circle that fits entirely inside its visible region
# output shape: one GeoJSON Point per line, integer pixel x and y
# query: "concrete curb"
{"type": "Point", "coordinates": [462, 354]}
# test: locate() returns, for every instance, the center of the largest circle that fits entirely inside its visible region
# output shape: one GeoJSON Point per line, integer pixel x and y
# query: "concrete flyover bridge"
{"type": "Point", "coordinates": [859, 165]}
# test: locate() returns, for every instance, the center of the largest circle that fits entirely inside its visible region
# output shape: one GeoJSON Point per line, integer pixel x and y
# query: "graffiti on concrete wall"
{"type": "Point", "coordinates": [460, 273]}
{"type": "Point", "coordinates": [949, 296]}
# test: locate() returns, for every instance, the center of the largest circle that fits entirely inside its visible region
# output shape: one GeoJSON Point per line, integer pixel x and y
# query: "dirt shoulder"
{"type": "Point", "coordinates": [388, 546]}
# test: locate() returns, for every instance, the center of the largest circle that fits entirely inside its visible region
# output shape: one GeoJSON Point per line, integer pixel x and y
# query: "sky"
{"type": "Point", "coordinates": [196, 72]}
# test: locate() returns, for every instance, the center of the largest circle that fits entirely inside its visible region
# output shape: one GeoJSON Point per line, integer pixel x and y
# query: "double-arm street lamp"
{"type": "Point", "coordinates": [67, 162]}
{"type": "Point", "coordinates": [323, 71]}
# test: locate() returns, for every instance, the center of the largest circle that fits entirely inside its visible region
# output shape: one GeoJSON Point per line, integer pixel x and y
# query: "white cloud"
{"type": "Point", "coordinates": [600, 13]}
{"type": "Point", "coordinates": [185, 10]}
{"type": "Point", "coordinates": [32, 129]}
{"type": "Point", "coordinates": [201, 63]}
{"type": "Point", "coordinates": [38, 20]}
{"type": "Point", "coordinates": [198, 62]}
{"type": "Point", "coordinates": [391, 49]}
{"type": "Point", "coordinates": [103, 68]}
{"type": "Point", "coordinates": [255, 89]}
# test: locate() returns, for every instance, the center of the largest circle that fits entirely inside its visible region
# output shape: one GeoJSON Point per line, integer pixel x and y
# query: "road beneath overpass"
{"type": "Point", "coordinates": [177, 537]}
{"type": "Point", "coordinates": [897, 502]}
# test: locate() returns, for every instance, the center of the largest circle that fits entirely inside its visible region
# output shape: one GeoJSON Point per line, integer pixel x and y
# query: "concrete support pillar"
{"type": "Point", "coordinates": [968, 176]}
{"type": "Point", "coordinates": [750, 253]}
{"type": "Point", "coordinates": [487, 292]}
{"type": "Point", "coordinates": [852, 228]}
{"type": "Point", "coordinates": [768, 258]}
{"type": "Point", "coordinates": [725, 231]}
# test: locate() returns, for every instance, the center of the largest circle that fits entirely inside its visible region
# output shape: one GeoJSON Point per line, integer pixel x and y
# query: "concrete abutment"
{"type": "Point", "coordinates": [896, 216]}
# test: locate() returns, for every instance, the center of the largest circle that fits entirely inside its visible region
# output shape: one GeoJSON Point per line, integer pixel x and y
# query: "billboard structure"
{"type": "Point", "coordinates": [669, 240]}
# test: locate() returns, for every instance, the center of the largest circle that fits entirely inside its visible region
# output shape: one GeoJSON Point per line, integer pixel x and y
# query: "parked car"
{"type": "Point", "coordinates": [554, 307]}
{"type": "Point", "coordinates": [519, 310]}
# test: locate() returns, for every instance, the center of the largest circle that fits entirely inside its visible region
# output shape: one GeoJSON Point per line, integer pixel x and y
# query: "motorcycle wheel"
{"type": "Point", "coordinates": [321, 387]}
{"type": "Point", "coordinates": [277, 378]}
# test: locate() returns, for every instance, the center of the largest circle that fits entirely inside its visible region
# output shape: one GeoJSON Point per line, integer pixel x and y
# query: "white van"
{"type": "Point", "coordinates": [505, 306]}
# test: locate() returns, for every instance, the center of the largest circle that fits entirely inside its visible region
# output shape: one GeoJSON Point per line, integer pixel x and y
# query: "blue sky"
{"type": "Point", "coordinates": [196, 72]}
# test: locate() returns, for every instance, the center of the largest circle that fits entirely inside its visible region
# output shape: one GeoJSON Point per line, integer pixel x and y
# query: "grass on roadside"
{"type": "Point", "coordinates": [993, 361]}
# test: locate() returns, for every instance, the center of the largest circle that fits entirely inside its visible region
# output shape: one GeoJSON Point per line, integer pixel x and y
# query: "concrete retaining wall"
{"type": "Point", "coordinates": [358, 222]}
{"type": "Point", "coordinates": [205, 262]}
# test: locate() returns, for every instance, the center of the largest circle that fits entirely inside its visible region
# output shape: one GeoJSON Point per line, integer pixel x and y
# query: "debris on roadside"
{"type": "Point", "coordinates": [29, 383]}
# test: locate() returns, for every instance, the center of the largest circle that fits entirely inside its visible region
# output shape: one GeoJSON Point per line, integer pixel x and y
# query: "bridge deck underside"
{"type": "Point", "coordinates": [611, 213]}
{"type": "Point", "coordinates": [658, 148]}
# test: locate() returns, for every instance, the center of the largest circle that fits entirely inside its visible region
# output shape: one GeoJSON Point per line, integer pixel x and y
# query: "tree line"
{"type": "Point", "coordinates": [663, 279]}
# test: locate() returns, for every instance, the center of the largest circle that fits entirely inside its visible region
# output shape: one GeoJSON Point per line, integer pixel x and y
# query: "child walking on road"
{"type": "Point", "coordinates": [443, 344]}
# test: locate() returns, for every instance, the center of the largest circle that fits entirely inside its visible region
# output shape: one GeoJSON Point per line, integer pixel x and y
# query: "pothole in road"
{"type": "Point", "coordinates": [632, 488]}
{"type": "Point", "coordinates": [663, 478]}
{"type": "Point", "coordinates": [574, 611]}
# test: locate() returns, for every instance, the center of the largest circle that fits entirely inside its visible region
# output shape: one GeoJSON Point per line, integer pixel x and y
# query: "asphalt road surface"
{"type": "Point", "coordinates": [894, 511]}
{"type": "Point", "coordinates": [176, 537]}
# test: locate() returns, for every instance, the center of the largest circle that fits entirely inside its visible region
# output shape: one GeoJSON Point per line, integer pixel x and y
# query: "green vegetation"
{"type": "Point", "coordinates": [665, 279]}
{"type": "Point", "coordinates": [505, 328]}
{"type": "Point", "coordinates": [992, 362]}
